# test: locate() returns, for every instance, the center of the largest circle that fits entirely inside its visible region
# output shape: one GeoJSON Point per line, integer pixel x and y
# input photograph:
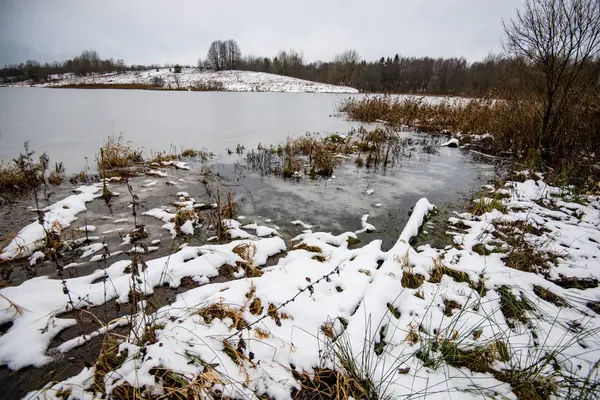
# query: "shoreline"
{"type": "Point", "coordinates": [482, 267]}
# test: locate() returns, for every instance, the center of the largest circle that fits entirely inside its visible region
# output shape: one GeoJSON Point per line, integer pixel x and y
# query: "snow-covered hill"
{"type": "Point", "coordinates": [192, 78]}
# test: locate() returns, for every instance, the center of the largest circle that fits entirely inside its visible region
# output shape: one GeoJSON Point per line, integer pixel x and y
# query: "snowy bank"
{"type": "Point", "coordinates": [457, 322]}
{"type": "Point", "coordinates": [192, 78]}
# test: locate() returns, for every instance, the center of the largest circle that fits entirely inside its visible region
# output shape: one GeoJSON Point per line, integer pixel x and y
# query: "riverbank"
{"type": "Point", "coordinates": [191, 79]}
{"type": "Point", "coordinates": [187, 294]}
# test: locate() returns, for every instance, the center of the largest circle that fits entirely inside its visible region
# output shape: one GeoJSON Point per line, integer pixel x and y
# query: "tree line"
{"type": "Point", "coordinates": [395, 74]}
{"type": "Point", "coordinates": [388, 74]}
{"type": "Point", "coordinates": [88, 62]}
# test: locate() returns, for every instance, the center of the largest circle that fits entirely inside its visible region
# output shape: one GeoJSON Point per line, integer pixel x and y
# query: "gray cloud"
{"type": "Point", "coordinates": [144, 31]}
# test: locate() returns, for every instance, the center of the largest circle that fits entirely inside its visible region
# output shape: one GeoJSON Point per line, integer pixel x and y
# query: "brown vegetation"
{"type": "Point", "coordinates": [199, 87]}
{"type": "Point", "coordinates": [315, 156]}
{"type": "Point", "coordinates": [117, 158]}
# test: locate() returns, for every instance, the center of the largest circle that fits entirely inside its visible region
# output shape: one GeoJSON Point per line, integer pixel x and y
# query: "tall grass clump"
{"type": "Point", "coordinates": [117, 157]}
{"type": "Point", "coordinates": [25, 174]}
{"type": "Point", "coordinates": [316, 156]}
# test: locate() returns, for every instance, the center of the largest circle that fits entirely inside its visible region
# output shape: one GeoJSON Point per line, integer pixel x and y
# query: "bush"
{"type": "Point", "coordinates": [157, 82]}
{"type": "Point", "coordinates": [177, 69]}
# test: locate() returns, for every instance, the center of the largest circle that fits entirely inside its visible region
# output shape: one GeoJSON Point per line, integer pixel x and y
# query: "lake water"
{"type": "Point", "coordinates": [71, 124]}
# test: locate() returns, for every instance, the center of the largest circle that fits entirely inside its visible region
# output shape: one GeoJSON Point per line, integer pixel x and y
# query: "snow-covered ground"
{"type": "Point", "coordinates": [393, 311]}
{"type": "Point", "coordinates": [235, 81]}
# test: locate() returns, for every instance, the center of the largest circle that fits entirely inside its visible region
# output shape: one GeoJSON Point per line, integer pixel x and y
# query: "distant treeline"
{"type": "Point", "coordinates": [394, 74]}
{"type": "Point", "coordinates": [88, 62]}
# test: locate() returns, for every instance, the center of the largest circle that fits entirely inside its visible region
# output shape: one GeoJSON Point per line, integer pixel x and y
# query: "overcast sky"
{"type": "Point", "coordinates": [180, 31]}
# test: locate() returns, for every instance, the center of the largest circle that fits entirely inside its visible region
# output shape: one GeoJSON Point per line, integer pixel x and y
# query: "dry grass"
{"type": "Point", "coordinates": [110, 358]}
{"type": "Point", "coordinates": [331, 384]}
{"type": "Point", "coordinates": [412, 281]}
{"type": "Point", "coordinates": [327, 329]}
{"type": "Point", "coordinates": [311, 249]}
{"type": "Point", "coordinates": [190, 153]}
{"type": "Point", "coordinates": [200, 87]}
{"type": "Point", "coordinates": [476, 359]}
{"type": "Point", "coordinates": [550, 297]}
{"type": "Point", "coordinates": [514, 309]}
{"type": "Point", "coordinates": [439, 270]}
{"type": "Point", "coordinates": [485, 205]}
{"type": "Point", "coordinates": [161, 157]}
{"type": "Point", "coordinates": [515, 122]}
{"type": "Point", "coordinates": [449, 306]}
{"type": "Point", "coordinates": [526, 257]}
{"type": "Point", "coordinates": [526, 386]}
{"type": "Point", "coordinates": [117, 158]}
{"type": "Point", "coordinates": [222, 311]}
{"type": "Point", "coordinates": [576, 283]}
{"type": "Point", "coordinates": [315, 156]}
{"type": "Point", "coordinates": [247, 252]}
{"type": "Point", "coordinates": [511, 121]}
{"type": "Point", "coordinates": [13, 179]}
{"type": "Point", "coordinates": [25, 174]}
{"type": "Point", "coordinates": [256, 307]}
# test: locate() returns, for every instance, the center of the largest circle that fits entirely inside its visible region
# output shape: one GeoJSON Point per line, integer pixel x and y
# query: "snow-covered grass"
{"type": "Point", "coordinates": [192, 78]}
{"type": "Point", "coordinates": [459, 322]}
{"type": "Point", "coordinates": [56, 218]}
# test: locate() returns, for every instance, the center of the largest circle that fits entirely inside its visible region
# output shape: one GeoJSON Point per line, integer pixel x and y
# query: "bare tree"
{"type": "Point", "coordinates": [288, 62]}
{"type": "Point", "coordinates": [553, 42]}
{"type": "Point", "coordinates": [233, 54]}
{"type": "Point", "coordinates": [223, 55]}
{"type": "Point", "coordinates": [214, 58]}
{"type": "Point", "coordinates": [346, 64]}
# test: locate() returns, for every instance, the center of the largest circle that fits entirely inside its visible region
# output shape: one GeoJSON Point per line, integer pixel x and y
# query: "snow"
{"type": "Point", "coordinates": [450, 143]}
{"type": "Point", "coordinates": [104, 256]}
{"type": "Point", "coordinates": [57, 217]}
{"type": "Point", "coordinates": [352, 290]}
{"type": "Point", "coordinates": [235, 81]}
{"type": "Point", "coordinates": [261, 231]}
{"type": "Point", "coordinates": [366, 227]}
{"type": "Point", "coordinates": [35, 322]}
{"type": "Point", "coordinates": [157, 173]}
{"type": "Point", "coordinates": [36, 257]}
{"type": "Point", "coordinates": [91, 249]}
{"type": "Point", "coordinates": [87, 228]}
{"type": "Point", "coordinates": [419, 213]}
{"type": "Point", "coordinates": [187, 228]}
{"type": "Point", "coordinates": [302, 224]}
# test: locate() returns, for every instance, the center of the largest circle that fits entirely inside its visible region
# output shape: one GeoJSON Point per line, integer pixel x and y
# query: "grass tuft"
{"type": "Point", "coordinates": [117, 158]}
{"type": "Point", "coordinates": [594, 306]}
{"type": "Point", "coordinates": [513, 308]}
{"type": "Point", "coordinates": [449, 306]}
{"type": "Point", "coordinates": [576, 283]}
{"type": "Point", "coordinates": [412, 281]}
{"type": "Point", "coordinates": [222, 311]}
{"type": "Point", "coordinates": [550, 297]}
{"type": "Point", "coordinates": [110, 358]}
{"type": "Point", "coordinates": [311, 249]}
